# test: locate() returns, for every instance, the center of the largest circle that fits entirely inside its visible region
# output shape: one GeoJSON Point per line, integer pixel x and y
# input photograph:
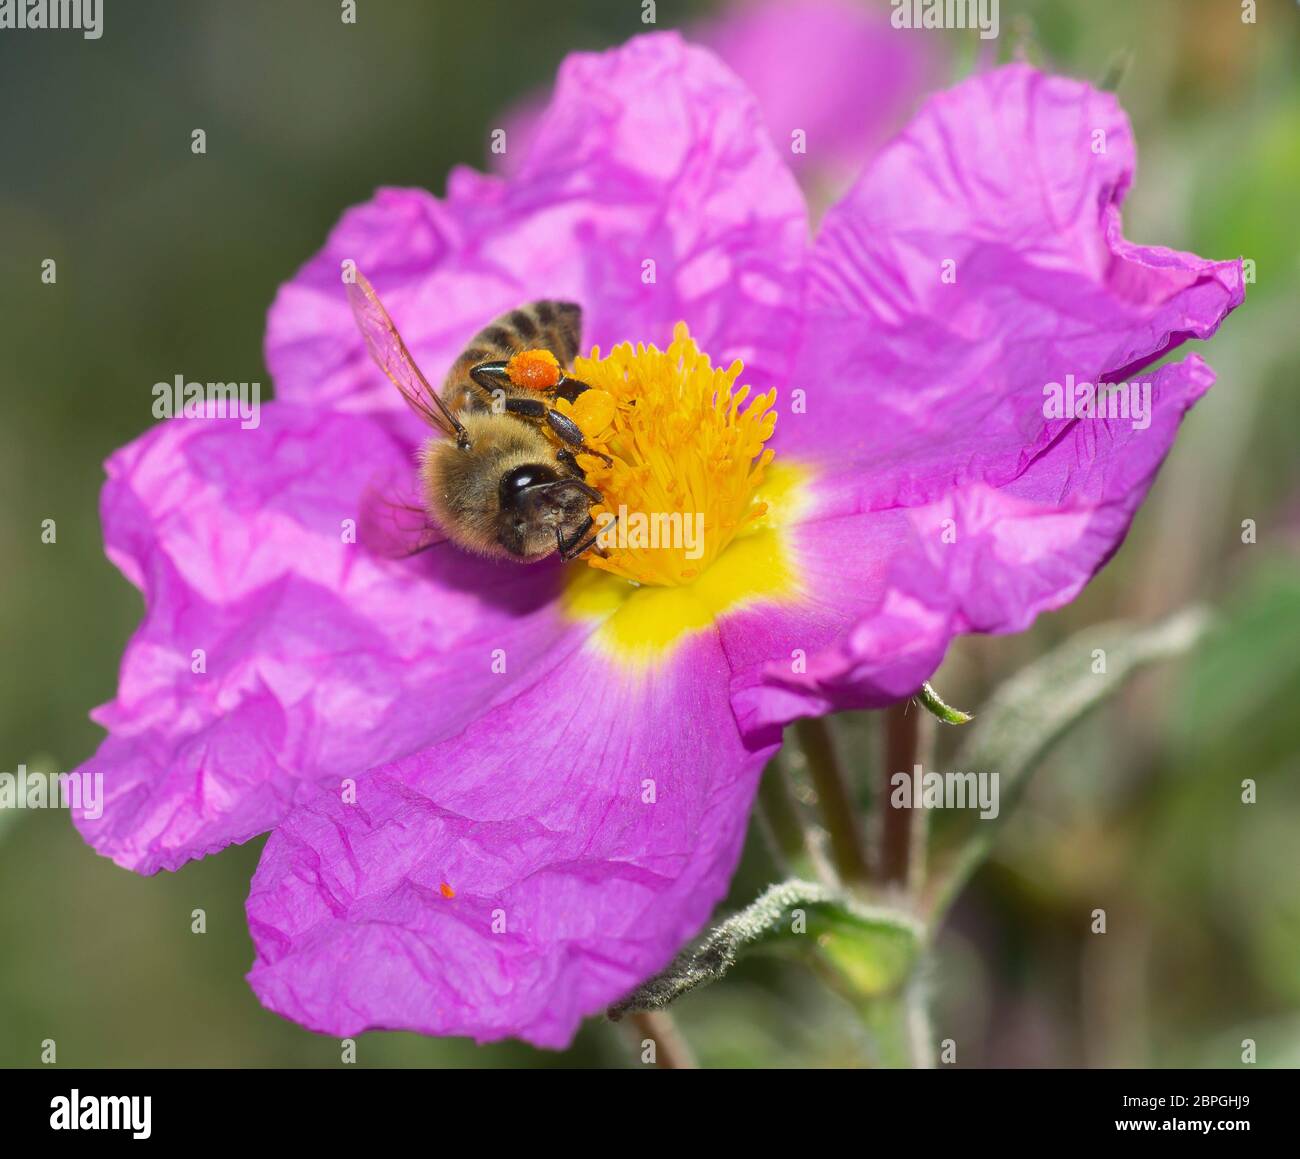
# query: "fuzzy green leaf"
{"type": "Point", "coordinates": [1035, 708]}
{"type": "Point", "coordinates": [871, 947]}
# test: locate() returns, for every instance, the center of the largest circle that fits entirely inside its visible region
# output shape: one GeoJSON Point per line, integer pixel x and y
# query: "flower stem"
{"type": "Point", "coordinates": [671, 1050]}
{"type": "Point", "coordinates": [902, 1020]}
{"type": "Point", "coordinates": [836, 801]}
{"type": "Point", "coordinates": [781, 819]}
{"type": "Point", "coordinates": [902, 743]}
{"type": "Point", "coordinates": [899, 1025]}
{"type": "Point", "coordinates": [909, 742]}
{"type": "Point", "coordinates": [920, 1032]}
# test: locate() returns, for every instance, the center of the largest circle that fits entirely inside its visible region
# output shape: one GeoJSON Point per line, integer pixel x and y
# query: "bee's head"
{"type": "Point", "coordinates": [542, 511]}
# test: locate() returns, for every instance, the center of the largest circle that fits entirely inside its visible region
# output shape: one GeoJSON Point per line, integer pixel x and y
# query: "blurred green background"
{"type": "Point", "coordinates": [167, 262]}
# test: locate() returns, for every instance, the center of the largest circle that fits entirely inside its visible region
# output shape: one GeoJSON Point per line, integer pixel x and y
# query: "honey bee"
{"type": "Point", "coordinates": [495, 483]}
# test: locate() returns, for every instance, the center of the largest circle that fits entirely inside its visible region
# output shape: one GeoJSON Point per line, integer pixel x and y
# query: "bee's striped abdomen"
{"type": "Point", "coordinates": [546, 325]}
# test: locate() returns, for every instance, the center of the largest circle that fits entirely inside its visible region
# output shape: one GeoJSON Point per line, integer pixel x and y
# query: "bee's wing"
{"type": "Point", "coordinates": [390, 353]}
{"type": "Point", "coordinates": [394, 527]}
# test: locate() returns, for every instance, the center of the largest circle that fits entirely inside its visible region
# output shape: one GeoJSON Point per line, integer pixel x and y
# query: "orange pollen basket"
{"type": "Point", "coordinates": [534, 369]}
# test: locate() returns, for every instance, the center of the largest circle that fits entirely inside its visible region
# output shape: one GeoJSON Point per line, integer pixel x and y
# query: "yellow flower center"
{"type": "Point", "coordinates": [687, 458]}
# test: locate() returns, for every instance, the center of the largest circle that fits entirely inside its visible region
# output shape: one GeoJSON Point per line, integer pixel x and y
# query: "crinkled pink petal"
{"type": "Point", "coordinates": [651, 195]}
{"type": "Point", "coordinates": [520, 875]}
{"type": "Point", "coordinates": [276, 650]}
{"type": "Point", "coordinates": [978, 260]}
{"type": "Point", "coordinates": [977, 559]}
{"type": "Point", "coordinates": [847, 568]}
{"type": "Point", "coordinates": [834, 71]}
{"type": "Point", "coordinates": [946, 500]}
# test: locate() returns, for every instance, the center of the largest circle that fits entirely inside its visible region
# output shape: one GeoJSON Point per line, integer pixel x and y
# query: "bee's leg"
{"type": "Point", "coordinates": [493, 376]}
{"type": "Point", "coordinates": [568, 550]}
{"type": "Point", "coordinates": [575, 549]}
{"type": "Point", "coordinates": [569, 553]}
{"type": "Point", "coordinates": [569, 388]}
{"type": "Point", "coordinates": [561, 424]}
{"type": "Point", "coordinates": [572, 434]}
{"type": "Point", "coordinates": [490, 377]}
{"type": "Point", "coordinates": [493, 380]}
{"type": "Point", "coordinates": [527, 408]}
{"type": "Point", "coordinates": [570, 461]}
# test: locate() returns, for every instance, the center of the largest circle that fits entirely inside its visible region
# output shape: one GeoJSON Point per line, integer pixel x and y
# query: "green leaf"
{"type": "Point", "coordinates": [1034, 709]}
{"type": "Point", "coordinates": [870, 948]}
{"type": "Point", "coordinates": [933, 703]}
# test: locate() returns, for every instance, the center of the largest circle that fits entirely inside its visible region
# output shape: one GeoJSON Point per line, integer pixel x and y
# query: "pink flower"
{"type": "Point", "coordinates": [832, 79]}
{"type": "Point", "coordinates": [500, 795]}
{"type": "Point", "coordinates": [835, 72]}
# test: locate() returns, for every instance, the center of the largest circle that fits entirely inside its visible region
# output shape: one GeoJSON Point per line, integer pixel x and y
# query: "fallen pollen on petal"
{"type": "Point", "coordinates": [446, 890]}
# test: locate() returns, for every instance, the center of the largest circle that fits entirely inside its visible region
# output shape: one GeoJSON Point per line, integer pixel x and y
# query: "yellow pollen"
{"type": "Point", "coordinates": [688, 457]}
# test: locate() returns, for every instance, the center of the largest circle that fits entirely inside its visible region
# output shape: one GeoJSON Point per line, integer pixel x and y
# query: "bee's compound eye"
{"type": "Point", "coordinates": [518, 479]}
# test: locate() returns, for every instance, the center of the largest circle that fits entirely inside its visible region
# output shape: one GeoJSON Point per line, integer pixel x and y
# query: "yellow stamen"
{"type": "Point", "coordinates": [687, 453]}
